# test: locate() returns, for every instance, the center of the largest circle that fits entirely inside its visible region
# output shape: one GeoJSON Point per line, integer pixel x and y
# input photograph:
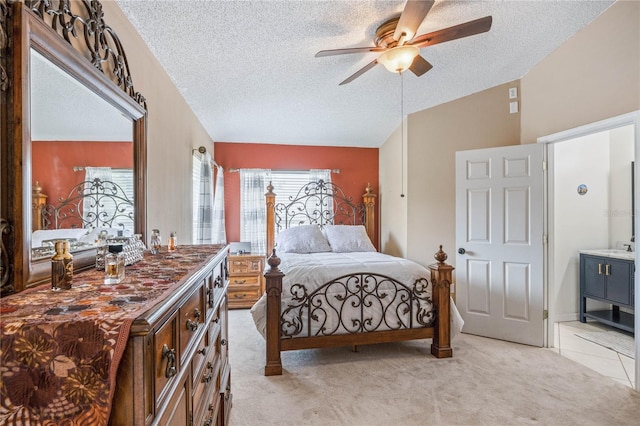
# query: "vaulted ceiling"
{"type": "Point", "coordinates": [248, 71]}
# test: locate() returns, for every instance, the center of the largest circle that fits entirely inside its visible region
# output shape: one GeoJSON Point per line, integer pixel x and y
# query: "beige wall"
{"type": "Point", "coordinates": [593, 76]}
{"type": "Point", "coordinates": [433, 136]}
{"type": "Point", "coordinates": [173, 130]}
{"type": "Point", "coordinates": [393, 207]}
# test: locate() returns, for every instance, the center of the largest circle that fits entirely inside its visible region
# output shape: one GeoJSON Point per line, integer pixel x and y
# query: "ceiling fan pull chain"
{"type": "Point", "coordinates": [401, 135]}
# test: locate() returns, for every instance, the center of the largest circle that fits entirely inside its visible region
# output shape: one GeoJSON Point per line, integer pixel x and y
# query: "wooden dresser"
{"type": "Point", "coordinates": [246, 279]}
{"type": "Point", "coordinates": [150, 350]}
{"type": "Point", "coordinates": [175, 369]}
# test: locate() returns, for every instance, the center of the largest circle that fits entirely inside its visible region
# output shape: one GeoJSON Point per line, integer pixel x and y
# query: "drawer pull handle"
{"type": "Point", "coordinates": [192, 325]}
{"type": "Point", "coordinates": [209, 365]}
{"type": "Point", "coordinates": [599, 268]}
{"type": "Point", "coordinates": [239, 281]}
{"type": "Point", "coordinates": [218, 282]}
{"type": "Point", "coordinates": [207, 378]}
{"type": "Point", "coordinates": [208, 422]}
{"type": "Point", "coordinates": [197, 313]}
{"type": "Point", "coordinates": [239, 296]}
{"type": "Point", "coordinates": [223, 342]}
{"type": "Point", "coordinates": [217, 320]}
{"type": "Point", "coordinates": [607, 269]}
{"type": "Point", "coordinates": [202, 351]}
{"type": "Point", "coordinates": [211, 407]}
{"type": "Point", "coordinates": [210, 301]}
{"type": "Point", "coordinates": [170, 354]}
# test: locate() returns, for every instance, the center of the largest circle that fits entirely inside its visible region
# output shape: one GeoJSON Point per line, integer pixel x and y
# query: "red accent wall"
{"type": "Point", "coordinates": [53, 162]}
{"type": "Point", "coordinates": [358, 166]}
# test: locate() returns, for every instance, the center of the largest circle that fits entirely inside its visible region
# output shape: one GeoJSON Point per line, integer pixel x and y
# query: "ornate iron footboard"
{"type": "Point", "coordinates": [357, 303]}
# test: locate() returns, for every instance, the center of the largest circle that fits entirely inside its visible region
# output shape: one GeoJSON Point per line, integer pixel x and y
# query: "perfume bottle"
{"type": "Point", "coordinates": [61, 267]}
{"type": "Point", "coordinates": [156, 241]}
{"type": "Point", "coordinates": [173, 241]}
{"type": "Point", "coordinates": [114, 265]}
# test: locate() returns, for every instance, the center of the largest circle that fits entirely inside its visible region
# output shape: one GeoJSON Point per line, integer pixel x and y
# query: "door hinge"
{"type": "Point", "coordinates": [544, 165]}
{"type": "Point", "coordinates": [545, 239]}
{"type": "Point", "coordinates": [545, 314]}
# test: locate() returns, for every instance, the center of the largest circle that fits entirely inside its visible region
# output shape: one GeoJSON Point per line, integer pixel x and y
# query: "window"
{"type": "Point", "coordinates": [287, 185]}
{"type": "Point", "coordinates": [124, 179]}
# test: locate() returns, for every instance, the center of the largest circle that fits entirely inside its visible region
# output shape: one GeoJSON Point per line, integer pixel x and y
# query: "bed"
{"type": "Point", "coordinates": [326, 284]}
{"type": "Point", "coordinates": [92, 209]}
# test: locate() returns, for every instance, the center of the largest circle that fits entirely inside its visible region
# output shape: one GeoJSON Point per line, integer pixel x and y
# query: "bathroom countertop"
{"type": "Point", "coordinates": [615, 253]}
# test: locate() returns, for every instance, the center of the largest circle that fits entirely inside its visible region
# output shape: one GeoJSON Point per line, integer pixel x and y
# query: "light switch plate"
{"type": "Point", "coordinates": [513, 92]}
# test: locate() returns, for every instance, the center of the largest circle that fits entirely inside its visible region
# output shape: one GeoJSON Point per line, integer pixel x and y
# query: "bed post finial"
{"type": "Point", "coordinates": [440, 255]}
{"type": "Point", "coordinates": [274, 260]}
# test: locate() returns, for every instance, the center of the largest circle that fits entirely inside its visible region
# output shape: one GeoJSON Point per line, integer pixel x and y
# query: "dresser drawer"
{"type": "Point", "coordinates": [239, 265]}
{"type": "Point", "coordinates": [207, 382]}
{"type": "Point", "coordinates": [165, 357]}
{"type": "Point", "coordinates": [191, 318]}
{"type": "Point", "coordinates": [203, 352]}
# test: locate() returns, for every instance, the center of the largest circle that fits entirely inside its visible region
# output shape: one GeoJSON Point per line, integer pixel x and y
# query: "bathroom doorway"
{"type": "Point", "coordinates": [589, 193]}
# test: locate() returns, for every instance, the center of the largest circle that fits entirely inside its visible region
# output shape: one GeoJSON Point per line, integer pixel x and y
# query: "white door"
{"type": "Point", "coordinates": [499, 238]}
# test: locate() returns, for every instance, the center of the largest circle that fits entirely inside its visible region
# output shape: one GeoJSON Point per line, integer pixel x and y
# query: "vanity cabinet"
{"type": "Point", "coordinates": [611, 280]}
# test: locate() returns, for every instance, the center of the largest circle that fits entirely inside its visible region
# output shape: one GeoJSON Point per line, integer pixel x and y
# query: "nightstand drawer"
{"type": "Point", "coordinates": [244, 295]}
{"type": "Point", "coordinates": [244, 281]}
{"type": "Point", "coordinates": [239, 265]}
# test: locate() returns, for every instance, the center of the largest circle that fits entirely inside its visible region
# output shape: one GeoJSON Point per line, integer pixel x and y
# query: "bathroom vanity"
{"type": "Point", "coordinates": [608, 276]}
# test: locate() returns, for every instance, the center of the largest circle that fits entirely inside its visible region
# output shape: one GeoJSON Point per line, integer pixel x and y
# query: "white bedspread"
{"type": "Point", "coordinates": [315, 269]}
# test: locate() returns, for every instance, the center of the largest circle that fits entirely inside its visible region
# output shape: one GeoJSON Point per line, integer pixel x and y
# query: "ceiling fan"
{"type": "Point", "coordinates": [400, 47]}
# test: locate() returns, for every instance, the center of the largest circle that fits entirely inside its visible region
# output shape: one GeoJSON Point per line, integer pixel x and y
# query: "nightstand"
{"type": "Point", "coordinates": [246, 279]}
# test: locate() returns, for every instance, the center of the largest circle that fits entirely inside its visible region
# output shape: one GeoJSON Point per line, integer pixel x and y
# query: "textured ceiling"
{"type": "Point", "coordinates": [248, 71]}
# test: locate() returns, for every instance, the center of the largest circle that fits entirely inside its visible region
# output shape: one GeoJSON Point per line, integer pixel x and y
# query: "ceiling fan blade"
{"type": "Point", "coordinates": [420, 65]}
{"type": "Point", "coordinates": [412, 16]}
{"type": "Point", "coordinates": [360, 72]}
{"type": "Point", "coordinates": [350, 50]}
{"type": "Point", "coordinates": [467, 29]}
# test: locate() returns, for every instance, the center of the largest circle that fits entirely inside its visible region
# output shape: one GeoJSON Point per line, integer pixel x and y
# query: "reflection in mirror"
{"type": "Point", "coordinates": [82, 163]}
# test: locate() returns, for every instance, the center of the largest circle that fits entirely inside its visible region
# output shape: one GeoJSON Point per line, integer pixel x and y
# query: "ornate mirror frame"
{"type": "Point", "coordinates": [86, 48]}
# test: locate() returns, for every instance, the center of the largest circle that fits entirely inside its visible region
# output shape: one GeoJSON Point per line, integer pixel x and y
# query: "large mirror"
{"type": "Point", "coordinates": [73, 125]}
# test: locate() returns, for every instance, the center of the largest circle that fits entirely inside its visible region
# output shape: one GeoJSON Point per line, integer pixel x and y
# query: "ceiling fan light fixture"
{"type": "Point", "coordinates": [399, 58]}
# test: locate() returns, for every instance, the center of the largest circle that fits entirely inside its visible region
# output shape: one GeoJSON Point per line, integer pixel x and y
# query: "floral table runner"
{"type": "Point", "coordinates": [60, 351]}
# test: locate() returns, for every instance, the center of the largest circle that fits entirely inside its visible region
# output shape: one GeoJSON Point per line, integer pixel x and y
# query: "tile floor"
{"type": "Point", "coordinates": [609, 363]}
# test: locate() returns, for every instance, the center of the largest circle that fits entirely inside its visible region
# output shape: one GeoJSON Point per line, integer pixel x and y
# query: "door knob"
{"type": "Point", "coordinates": [461, 251]}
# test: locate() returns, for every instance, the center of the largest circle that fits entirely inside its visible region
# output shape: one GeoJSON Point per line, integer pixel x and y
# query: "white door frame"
{"type": "Point", "coordinates": [632, 118]}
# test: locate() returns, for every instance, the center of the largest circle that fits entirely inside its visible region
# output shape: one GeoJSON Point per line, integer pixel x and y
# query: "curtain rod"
{"type": "Point", "coordinates": [203, 150]}
{"type": "Point", "coordinates": [82, 168]}
{"type": "Point", "coordinates": [336, 171]}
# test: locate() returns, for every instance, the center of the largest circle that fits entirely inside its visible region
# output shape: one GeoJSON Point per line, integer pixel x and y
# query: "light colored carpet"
{"type": "Point", "coordinates": [487, 382]}
{"type": "Point", "coordinates": [619, 342]}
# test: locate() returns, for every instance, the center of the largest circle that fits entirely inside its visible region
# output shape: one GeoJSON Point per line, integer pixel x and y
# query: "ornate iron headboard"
{"type": "Point", "coordinates": [107, 203]}
{"type": "Point", "coordinates": [319, 203]}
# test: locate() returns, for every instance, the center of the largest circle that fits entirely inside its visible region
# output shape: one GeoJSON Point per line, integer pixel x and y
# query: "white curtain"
{"type": "Point", "coordinates": [89, 204]}
{"type": "Point", "coordinates": [205, 220]}
{"type": "Point", "coordinates": [320, 174]}
{"type": "Point", "coordinates": [218, 234]}
{"type": "Point", "coordinates": [253, 211]}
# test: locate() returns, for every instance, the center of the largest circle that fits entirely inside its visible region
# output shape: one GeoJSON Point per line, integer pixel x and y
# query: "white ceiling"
{"type": "Point", "coordinates": [248, 71]}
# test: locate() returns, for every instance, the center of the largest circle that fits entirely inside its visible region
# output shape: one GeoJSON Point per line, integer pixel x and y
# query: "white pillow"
{"type": "Point", "coordinates": [348, 238]}
{"type": "Point", "coordinates": [302, 239]}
